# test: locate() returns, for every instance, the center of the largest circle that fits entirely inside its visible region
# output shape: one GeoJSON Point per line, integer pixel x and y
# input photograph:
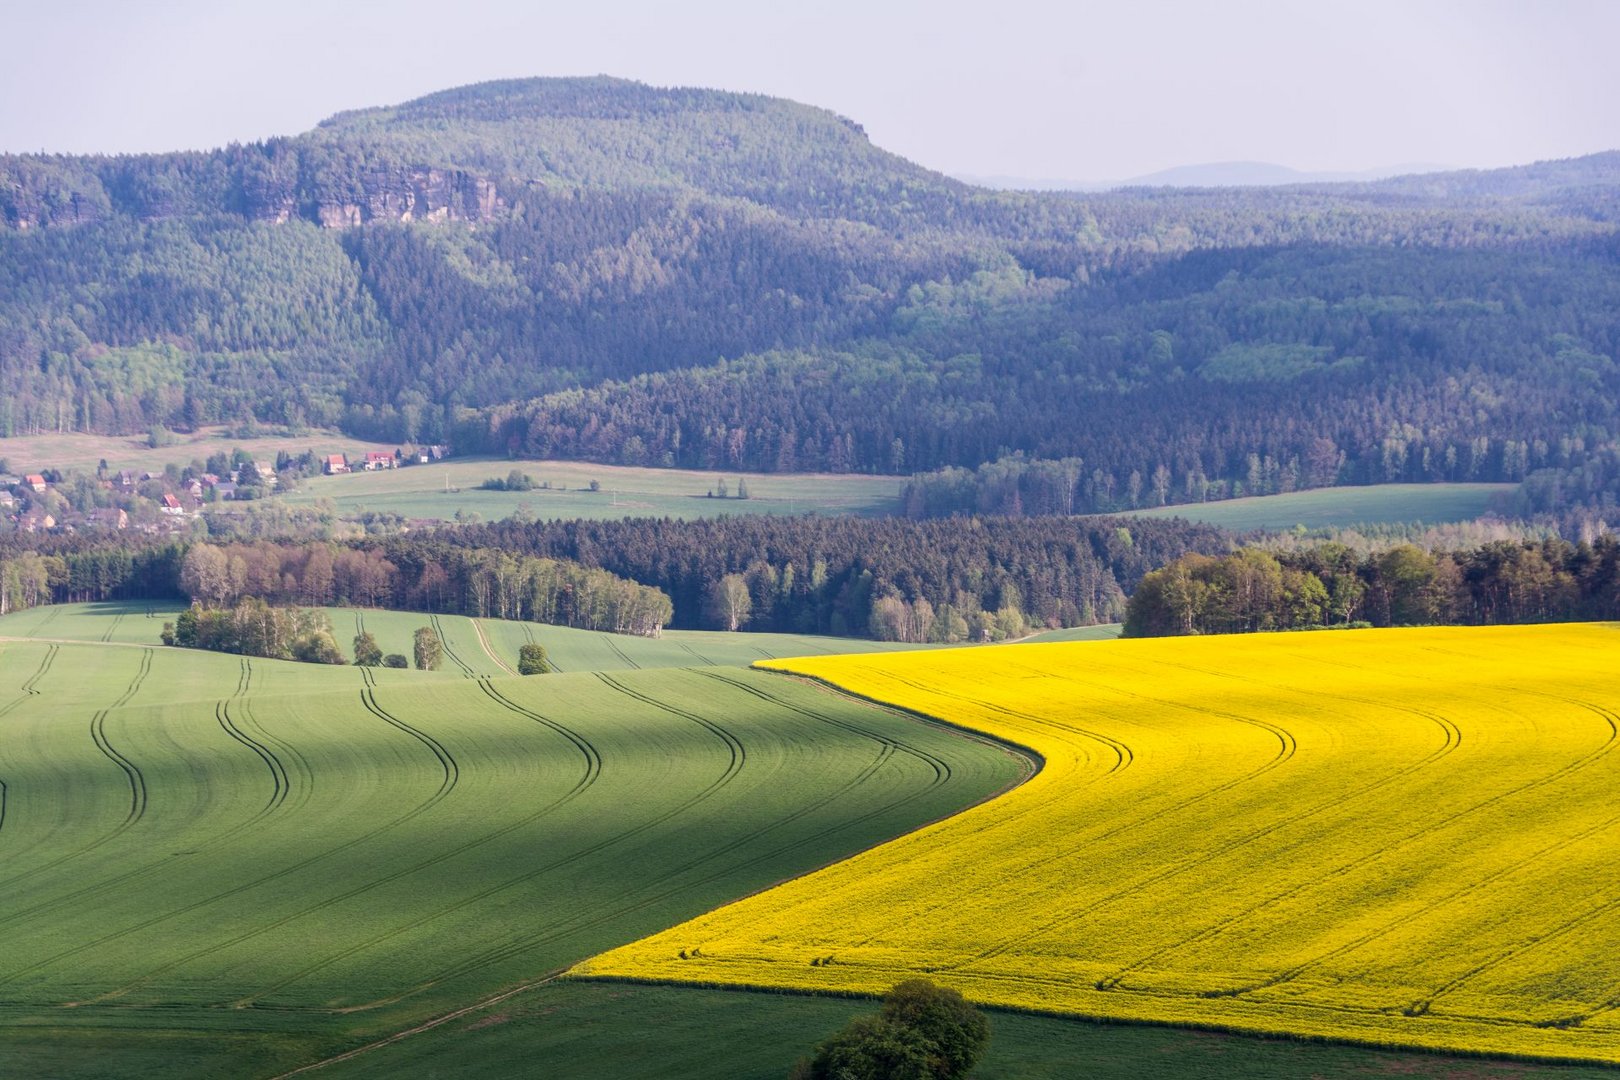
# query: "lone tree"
{"type": "Point", "coordinates": [923, 1032]}
{"type": "Point", "coordinates": [729, 602]}
{"type": "Point", "coordinates": [429, 649]}
{"type": "Point", "coordinates": [366, 651]}
{"type": "Point", "coordinates": [532, 660]}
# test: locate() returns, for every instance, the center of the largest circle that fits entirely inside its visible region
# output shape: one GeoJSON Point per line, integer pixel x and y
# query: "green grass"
{"type": "Point", "coordinates": [1340, 507]}
{"type": "Point", "coordinates": [474, 646]}
{"type": "Point", "coordinates": [226, 928]}
{"type": "Point", "coordinates": [1100, 632]}
{"type": "Point", "coordinates": [231, 866]}
{"type": "Point", "coordinates": [421, 492]}
{"type": "Point", "coordinates": [589, 1030]}
{"type": "Point", "coordinates": [81, 452]}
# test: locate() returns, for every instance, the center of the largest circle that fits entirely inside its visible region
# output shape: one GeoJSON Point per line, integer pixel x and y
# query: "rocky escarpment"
{"type": "Point", "coordinates": [265, 182]}
{"type": "Point", "coordinates": [418, 194]}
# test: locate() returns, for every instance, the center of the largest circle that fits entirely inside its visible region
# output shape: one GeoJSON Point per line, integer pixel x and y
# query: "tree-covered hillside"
{"type": "Point", "coordinates": [598, 268]}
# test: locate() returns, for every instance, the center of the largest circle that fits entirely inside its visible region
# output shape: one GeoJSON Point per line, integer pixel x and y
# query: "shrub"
{"type": "Point", "coordinates": [396, 660]}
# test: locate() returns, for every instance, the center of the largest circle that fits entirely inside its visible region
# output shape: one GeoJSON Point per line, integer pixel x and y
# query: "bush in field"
{"type": "Point", "coordinates": [532, 660]}
{"type": "Point", "coordinates": [923, 1032]}
{"type": "Point", "coordinates": [317, 647]}
{"type": "Point", "coordinates": [366, 651]}
{"type": "Point", "coordinates": [396, 660]}
{"type": "Point", "coordinates": [429, 649]}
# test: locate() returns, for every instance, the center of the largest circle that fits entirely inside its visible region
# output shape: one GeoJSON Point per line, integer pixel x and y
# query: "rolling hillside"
{"type": "Point", "coordinates": [231, 866]}
{"type": "Point", "coordinates": [1394, 837]}
{"type": "Point", "coordinates": [496, 265]}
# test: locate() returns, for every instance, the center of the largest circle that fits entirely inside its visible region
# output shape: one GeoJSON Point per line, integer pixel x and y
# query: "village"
{"type": "Point", "coordinates": [171, 502]}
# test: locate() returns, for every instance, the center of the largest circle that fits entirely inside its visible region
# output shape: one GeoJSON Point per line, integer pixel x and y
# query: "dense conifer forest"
{"type": "Point", "coordinates": [599, 269]}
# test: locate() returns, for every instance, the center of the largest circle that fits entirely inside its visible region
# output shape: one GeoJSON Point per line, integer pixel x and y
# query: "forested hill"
{"type": "Point", "coordinates": [599, 268]}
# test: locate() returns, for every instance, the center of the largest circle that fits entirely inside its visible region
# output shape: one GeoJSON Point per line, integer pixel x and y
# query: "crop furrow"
{"type": "Point", "coordinates": [1295, 971]}
{"type": "Point", "coordinates": [449, 650]}
{"type": "Point", "coordinates": [451, 773]}
{"type": "Point", "coordinates": [489, 649]}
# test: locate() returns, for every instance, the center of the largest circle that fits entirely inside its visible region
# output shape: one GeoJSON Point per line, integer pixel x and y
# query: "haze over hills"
{"type": "Point", "coordinates": [601, 269]}
{"type": "Point", "coordinates": [1213, 174]}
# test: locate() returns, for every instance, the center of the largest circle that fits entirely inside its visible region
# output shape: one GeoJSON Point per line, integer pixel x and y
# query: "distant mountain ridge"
{"type": "Point", "coordinates": [610, 270]}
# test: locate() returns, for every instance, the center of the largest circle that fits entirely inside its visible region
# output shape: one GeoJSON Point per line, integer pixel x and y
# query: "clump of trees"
{"type": "Point", "coordinates": [1331, 585]}
{"type": "Point", "coordinates": [367, 653]}
{"type": "Point", "coordinates": [532, 660]}
{"type": "Point", "coordinates": [516, 480]}
{"type": "Point", "coordinates": [255, 628]}
{"type": "Point", "coordinates": [427, 649]}
{"type": "Point", "coordinates": [923, 1032]}
{"type": "Point", "coordinates": [424, 577]}
{"type": "Point", "coordinates": [831, 575]}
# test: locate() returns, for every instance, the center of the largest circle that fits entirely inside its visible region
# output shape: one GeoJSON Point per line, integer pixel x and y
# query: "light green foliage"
{"type": "Point", "coordinates": [1274, 363]}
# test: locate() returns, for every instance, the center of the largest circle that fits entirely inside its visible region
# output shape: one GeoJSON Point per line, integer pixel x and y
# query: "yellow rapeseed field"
{"type": "Point", "coordinates": [1406, 837]}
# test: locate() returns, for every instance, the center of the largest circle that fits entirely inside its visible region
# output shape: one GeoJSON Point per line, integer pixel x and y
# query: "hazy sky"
{"type": "Point", "coordinates": [1075, 90]}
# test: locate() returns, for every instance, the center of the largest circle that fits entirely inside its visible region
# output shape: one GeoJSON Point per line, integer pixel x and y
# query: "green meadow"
{"type": "Point", "coordinates": [1343, 507]}
{"type": "Point", "coordinates": [216, 865]}
{"type": "Point", "coordinates": [442, 490]}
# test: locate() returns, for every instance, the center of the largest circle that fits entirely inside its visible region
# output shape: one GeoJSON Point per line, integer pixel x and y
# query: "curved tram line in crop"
{"type": "Point", "coordinates": [1334, 835]}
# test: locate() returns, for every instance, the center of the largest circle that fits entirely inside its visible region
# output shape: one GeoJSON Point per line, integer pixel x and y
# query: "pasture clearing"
{"type": "Point", "coordinates": [1400, 837]}
{"type": "Point", "coordinates": [215, 865]}
{"type": "Point", "coordinates": [1342, 507]}
{"type": "Point", "coordinates": [82, 452]}
{"type": "Point", "coordinates": [441, 490]}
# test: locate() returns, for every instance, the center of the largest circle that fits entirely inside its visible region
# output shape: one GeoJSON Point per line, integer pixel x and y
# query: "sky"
{"type": "Point", "coordinates": [1072, 90]}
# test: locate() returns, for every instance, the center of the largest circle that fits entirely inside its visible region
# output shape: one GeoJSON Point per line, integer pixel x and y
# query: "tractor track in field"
{"type": "Point", "coordinates": [444, 642]}
{"type": "Point", "coordinates": [25, 692]}
{"type": "Point", "coordinates": [593, 766]}
{"type": "Point", "coordinates": [1422, 1006]}
{"type": "Point", "coordinates": [734, 766]}
{"type": "Point", "coordinates": [451, 773]}
{"type": "Point", "coordinates": [137, 781]}
{"type": "Point", "coordinates": [888, 749]}
{"type": "Point", "coordinates": [132, 772]}
{"type": "Point", "coordinates": [623, 656]}
{"type": "Point", "coordinates": [1287, 747]}
{"type": "Point", "coordinates": [593, 761]}
{"type": "Point", "coordinates": [29, 688]}
{"type": "Point", "coordinates": [489, 649]}
{"type": "Point", "coordinates": [112, 627]}
{"type": "Point", "coordinates": [1293, 972]}
{"type": "Point", "coordinates": [699, 657]}
{"type": "Point", "coordinates": [1452, 740]}
{"type": "Point", "coordinates": [280, 781]}
{"type": "Point", "coordinates": [305, 777]}
{"type": "Point", "coordinates": [528, 635]}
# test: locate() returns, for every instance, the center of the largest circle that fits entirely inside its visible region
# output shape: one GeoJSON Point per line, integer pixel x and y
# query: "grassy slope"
{"type": "Point", "coordinates": [419, 492]}
{"type": "Point", "coordinates": [478, 647]}
{"type": "Point", "coordinates": [1380, 504]}
{"type": "Point", "coordinates": [1402, 837]}
{"type": "Point", "coordinates": [84, 452]}
{"type": "Point", "coordinates": [626, 1031]}
{"type": "Point", "coordinates": [186, 831]}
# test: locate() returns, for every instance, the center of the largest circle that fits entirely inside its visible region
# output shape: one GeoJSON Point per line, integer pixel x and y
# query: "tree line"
{"type": "Point", "coordinates": [481, 582]}
{"type": "Point", "coordinates": [442, 578]}
{"type": "Point", "coordinates": [1329, 585]}
{"type": "Point", "coordinates": [959, 580]}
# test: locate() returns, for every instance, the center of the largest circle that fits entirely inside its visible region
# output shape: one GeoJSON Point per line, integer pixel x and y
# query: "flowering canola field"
{"type": "Point", "coordinates": [1405, 837]}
